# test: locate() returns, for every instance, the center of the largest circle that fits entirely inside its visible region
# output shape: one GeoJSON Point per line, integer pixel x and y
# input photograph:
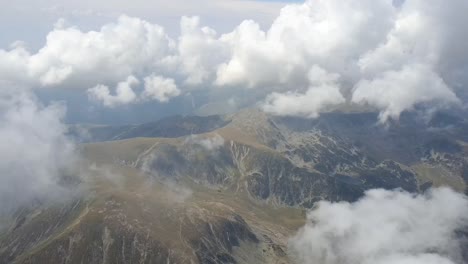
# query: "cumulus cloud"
{"type": "Point", "coordinates": [35, 156]}
{"type": "Point", "coordinates": [200, 51]}
{"type": "Point", "coordinates": [324, 91]}
{"type": "Point", "coordinates": [396, 91]}
{"type": "Point", "coordinates": [422, 46]}
{"type": "Point", "coordinates": [124, 93]}
{"type": "Point", "coordinates": [74, 58]}
{"type": "Point", "coordinates": [160, 88]}
{"type": "Point", "coordinates": [155, 88]}
{"type": "Point", "coordinates": [331, 34]}
{"type": "Point", "coordinates": [366, 45]}
{"type": "Point", "coordinates": [386, 227]}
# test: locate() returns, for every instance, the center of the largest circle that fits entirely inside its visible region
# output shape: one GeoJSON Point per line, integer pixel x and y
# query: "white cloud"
{"type": "Point", "coordinates": [74, 58]}
{"type": "Point", "coordinates": [331, 34]}
{"type": "Point", "coordinates": [159, 88]}
{"type": "Point", "coordinates": [324, 91]}
{"type": "Point", "coordinates": [34, 153]}
{"type": "Point", "coordinates": [200, 51]}
{"type": "Point", "coordinates": [396, 91]}
{"type": "Point", "coordinates": [309, 104]}
{"type": "Point", "coordinates": [385, 227]}
{"type": "Point", "coordinates": [124, 93]}
{"type": "Point", "coordinates": [422, 46]}
{"type": "Point", "coordinates": [422, 33]}
{"type": "Point", "coordinates": [364, 44]}
{"type": "Point", "coordinates": [155, 88]}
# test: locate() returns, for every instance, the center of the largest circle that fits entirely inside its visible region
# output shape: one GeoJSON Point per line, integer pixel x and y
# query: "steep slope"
{"type": "Point", "coordinates": [134, 220]}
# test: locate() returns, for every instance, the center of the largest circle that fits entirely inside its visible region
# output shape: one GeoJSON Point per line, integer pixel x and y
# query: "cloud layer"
{"type": "Point", "coordinates": [390, 57]}
{"type": "Point", "coordinates": [386, 227]}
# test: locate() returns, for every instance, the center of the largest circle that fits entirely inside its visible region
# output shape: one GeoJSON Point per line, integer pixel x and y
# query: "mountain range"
{"type": "Point", "coordinates": [228, 188]}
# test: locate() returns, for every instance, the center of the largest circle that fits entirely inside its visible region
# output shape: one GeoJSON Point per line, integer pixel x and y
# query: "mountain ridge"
{"type": "Point", "coordinates": [227, 189]}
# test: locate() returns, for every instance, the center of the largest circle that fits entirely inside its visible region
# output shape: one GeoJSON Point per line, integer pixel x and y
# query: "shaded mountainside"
{"type": "Point", "coordinates": [228, 189]}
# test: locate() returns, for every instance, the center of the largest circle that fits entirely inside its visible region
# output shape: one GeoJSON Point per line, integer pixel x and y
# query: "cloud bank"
{"type": "Point", "coordinates": [386, 227]}
{"type": "Point", "coordinates": [374, 53]}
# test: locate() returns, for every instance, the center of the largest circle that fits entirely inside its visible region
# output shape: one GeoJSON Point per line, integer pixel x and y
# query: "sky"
{"type": "Point", "coordinates": [119, 62]}
{"type": "Point", "coordinates": [30, 21]}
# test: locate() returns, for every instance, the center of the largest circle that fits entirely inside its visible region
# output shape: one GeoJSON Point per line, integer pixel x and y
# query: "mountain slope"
{"type": "Point", "coordinates": [228, 189]}
{"type": "Point", "coordinates": [133, 220]}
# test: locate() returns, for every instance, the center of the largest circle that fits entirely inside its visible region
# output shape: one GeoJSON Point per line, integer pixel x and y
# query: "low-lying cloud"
{"type": "Point", "coordinates": [35, 156]}
{"type": "Point", "coordinates": [392, 57]}
{"type": "Point", "coordinates": [386, 227]}
{"type": "Point", "coordinates": [207, 142]}
{"type": "Point", "coordinates": [323, 92]}
{"type": "Point", "coordinates": [397, 91]}
{"type": "Point", "coordinates": [124, 93]}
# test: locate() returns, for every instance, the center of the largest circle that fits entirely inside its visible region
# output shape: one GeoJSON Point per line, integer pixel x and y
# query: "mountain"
{"type": "Point", "coordinates": [228, 189]}
{"type": "Point", "coordinates": [340, 145]}
{"type": "Point", "coordinates": [174, 126]}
